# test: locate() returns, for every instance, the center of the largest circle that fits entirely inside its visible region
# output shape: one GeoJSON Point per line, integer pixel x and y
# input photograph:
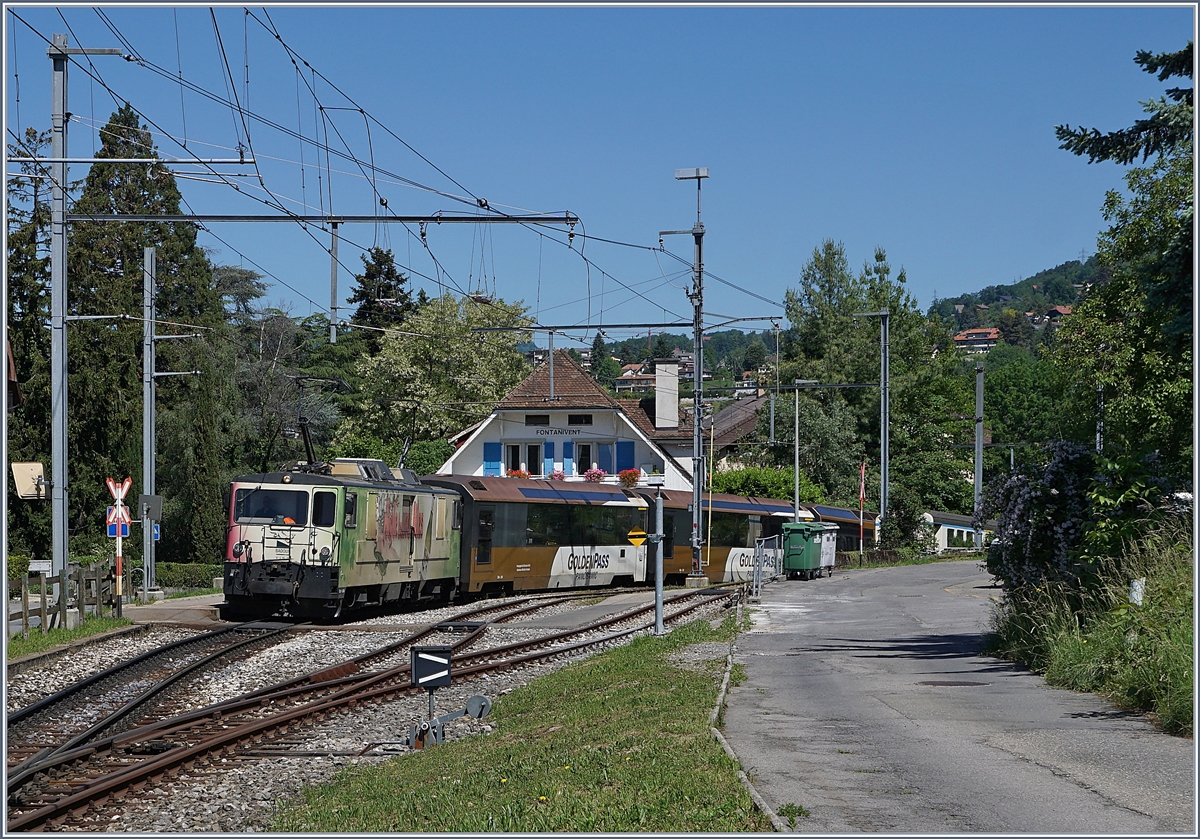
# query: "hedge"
{"type": "Point", "coordinates": [18, 566]}
{"type": "Point", "coordinates": [186, 574]}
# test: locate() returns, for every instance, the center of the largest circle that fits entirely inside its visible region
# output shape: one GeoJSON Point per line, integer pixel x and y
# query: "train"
{"type": "Point", "coordinates": [321, 540]}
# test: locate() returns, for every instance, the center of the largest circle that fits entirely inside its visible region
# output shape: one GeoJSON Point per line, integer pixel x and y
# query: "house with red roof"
{"type": "Point", "coordinates": [978, 340]}
{"type": "Point", "coordinates": [560, 420]}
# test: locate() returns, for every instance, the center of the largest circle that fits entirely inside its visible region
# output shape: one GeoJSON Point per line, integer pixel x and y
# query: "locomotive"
{"type": "Point", "coordinates": [321, 540]}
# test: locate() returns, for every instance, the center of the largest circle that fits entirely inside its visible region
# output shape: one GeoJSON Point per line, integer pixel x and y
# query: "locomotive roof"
{"type": "Point", "coordinates": [536, 489]}
{"type": "Point", "coordinates": [309, 479]}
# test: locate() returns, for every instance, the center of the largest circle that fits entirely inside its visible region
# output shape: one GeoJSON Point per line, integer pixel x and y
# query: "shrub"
{"type": "Point", "coordinates": [18, 566]}
{"type": "Point", "coordinates": [629, 477]}
{"type": "Point", "coordinates": [186, 574]}
{"type": "Point", "coordinates": [1041, 512]}
{"type": "Point", "coordinates": [763, 482]}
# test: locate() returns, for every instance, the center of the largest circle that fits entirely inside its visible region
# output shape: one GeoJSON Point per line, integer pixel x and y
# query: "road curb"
{"type": "Point", "coordinates": [759, 802]}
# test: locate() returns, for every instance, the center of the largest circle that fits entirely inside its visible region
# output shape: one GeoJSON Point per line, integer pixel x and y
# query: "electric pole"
{"type": "Point", "coordinates": [697, 297]}
{"type": "Point", "coordinates": [58, 52]}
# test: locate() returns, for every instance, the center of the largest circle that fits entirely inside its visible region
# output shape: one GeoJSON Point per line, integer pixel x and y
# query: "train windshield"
{"type": "Point", "coordinates": [271, 506]}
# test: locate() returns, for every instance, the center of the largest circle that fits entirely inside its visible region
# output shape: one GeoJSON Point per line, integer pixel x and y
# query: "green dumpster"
{"type": "Point", "coordinates": [808, 547]}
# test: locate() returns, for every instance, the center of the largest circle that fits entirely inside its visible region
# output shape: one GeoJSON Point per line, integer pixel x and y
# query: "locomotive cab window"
{"type": "Point", "coordinates": [351, 513]}
{"type": "Point", "coordinates": [324, 508]}
{"type": "Point", "coordinates": [287, 507]}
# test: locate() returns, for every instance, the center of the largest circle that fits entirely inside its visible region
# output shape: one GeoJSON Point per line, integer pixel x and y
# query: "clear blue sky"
{"type": "Point", "coordinates": [927, 131]}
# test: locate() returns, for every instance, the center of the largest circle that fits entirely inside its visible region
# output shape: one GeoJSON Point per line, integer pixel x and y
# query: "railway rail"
{"type": "Point", "coordinates": [122, 694]}
{"type": "Point", "coordinates": [56, 789]}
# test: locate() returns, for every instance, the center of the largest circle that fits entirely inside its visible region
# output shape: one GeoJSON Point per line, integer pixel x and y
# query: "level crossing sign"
{"type": "Point", "coordinates": [118, 490]}
{"type": "Point", "coordinates": [117, 519]}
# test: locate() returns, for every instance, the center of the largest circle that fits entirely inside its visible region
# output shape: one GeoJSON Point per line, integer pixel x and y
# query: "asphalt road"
{"type": "Point", "coordinates": [867, 702]}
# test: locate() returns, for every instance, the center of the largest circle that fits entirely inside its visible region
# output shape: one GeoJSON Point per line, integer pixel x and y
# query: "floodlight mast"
{"type": "Point", "coordinates": [697, 297]}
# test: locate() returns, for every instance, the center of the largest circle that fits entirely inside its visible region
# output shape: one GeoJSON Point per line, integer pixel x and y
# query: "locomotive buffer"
{"type": "Point", "coordinates": [430, 669]}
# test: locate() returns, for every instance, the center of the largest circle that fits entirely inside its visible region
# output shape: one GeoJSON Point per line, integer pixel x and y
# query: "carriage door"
{"type": "Point", "coordinates": [487, 526]}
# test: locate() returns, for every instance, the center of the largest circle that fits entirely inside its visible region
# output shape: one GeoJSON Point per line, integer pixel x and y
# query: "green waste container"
{"type": "Point", "coordinates": [808, 547]}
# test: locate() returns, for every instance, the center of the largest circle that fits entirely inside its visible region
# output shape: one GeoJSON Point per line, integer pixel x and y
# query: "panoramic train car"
{"type": "Point", "coordinates": [318, 540]}
{"type": "Point", "coordinates": [730, 525]}
{"type": "Point", "coordinates": [847, 522]}
{"type": "Point", "coordinates": [529, 535]}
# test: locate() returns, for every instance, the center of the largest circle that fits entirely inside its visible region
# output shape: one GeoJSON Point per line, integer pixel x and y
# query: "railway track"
{"type": "Point", "coordinates": [60, 789]}
{"type": "Point", "coordinates": [123, 694]}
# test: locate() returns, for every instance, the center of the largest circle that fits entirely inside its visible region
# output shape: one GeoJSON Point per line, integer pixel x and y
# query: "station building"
{"type": "Point", "coordinates": [559, 420]}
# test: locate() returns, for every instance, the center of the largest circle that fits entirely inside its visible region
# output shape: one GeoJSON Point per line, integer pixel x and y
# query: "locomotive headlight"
{"type": "Point", "coordinates": [325, 552]}
{"type": "Point", "coordinates": [238, 548]}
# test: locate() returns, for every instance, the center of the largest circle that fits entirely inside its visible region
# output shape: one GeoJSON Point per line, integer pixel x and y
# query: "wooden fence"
{"type": "Point", "coordinates": [83, 588]}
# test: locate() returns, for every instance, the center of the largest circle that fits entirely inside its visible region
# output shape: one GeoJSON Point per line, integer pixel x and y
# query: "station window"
{"type": "Point", "coordinates": [537, 419]}
{"type": "Point", "coordinates": [579, 419]}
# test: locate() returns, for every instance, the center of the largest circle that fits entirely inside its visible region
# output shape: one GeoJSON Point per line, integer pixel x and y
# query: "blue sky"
{"type": "Point", "coordinates": [927, 131]}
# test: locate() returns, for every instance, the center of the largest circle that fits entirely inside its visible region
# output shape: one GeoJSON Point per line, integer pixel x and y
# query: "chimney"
{"type": "Point", "coordinates": [666, 393]}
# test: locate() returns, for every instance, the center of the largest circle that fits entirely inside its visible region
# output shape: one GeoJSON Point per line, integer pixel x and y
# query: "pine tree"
{"type": "Point", "coordinates": [105, 271]}
{"type": "Point", "coordinates": [28, 331]}
{"type": "Point", "coordinates": [383, 301]}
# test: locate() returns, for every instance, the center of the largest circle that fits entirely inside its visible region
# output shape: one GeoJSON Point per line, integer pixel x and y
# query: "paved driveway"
{"type": "Point", "coordinates": [867, 703]}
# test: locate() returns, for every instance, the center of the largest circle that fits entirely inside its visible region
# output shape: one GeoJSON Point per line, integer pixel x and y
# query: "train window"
{"type": "Point", "coordinates": [351, 517]}
{"type": "Point", "coordinates": [458, 514]}
{"type": "Point", "coordinates": [324, 508]}
{"type": "Point", "coordinates": [510, 526]}
{"type": "Point", "coordinates": [487, 528]}
{"type": "Point", "coordinates": [591, 526]}
{"type": "Point", "coordinates": [548, 524]}
{"type": "Point", "coordinates": [271, 506]}
{"type": "Point", "coordinates": [730, 530]}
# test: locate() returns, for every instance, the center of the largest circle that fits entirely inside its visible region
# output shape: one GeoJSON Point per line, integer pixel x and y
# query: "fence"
{"type": "Point", "coordinates": [82, 588]}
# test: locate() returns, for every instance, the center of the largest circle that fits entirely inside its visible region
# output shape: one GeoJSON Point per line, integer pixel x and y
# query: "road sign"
{"type": "Point", "coordinates": [112, 530]}
{"type": "Point", "coordinates": [118, 490]}
{"type": "Point", "coordinates": [636, 537]}
{"type": "Point", "coordinates": [118, 515]}
{"type": "Point", "coordinates": [430, 666]}
{"type": "Point", "coordinates": [156, 534]}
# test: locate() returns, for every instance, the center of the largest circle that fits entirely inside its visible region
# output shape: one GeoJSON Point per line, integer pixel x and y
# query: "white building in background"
{"type": "Point", "coordinates": [560, 419]}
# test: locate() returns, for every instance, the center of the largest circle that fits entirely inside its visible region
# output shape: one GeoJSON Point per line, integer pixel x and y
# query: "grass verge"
{"type": "Point", "coordinates": [38, 642]}
{"type": "Point", "coordinates": [1140, 657]}
{"type": "Point", "coordinates": [619, 742]}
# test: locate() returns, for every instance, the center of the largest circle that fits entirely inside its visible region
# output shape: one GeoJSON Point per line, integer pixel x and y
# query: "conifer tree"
{"type": "Point", "coordinates": [105, 277]}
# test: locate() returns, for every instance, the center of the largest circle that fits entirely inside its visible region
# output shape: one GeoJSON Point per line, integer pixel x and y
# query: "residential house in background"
{"type": "Point", "coordinates": [979, 340]}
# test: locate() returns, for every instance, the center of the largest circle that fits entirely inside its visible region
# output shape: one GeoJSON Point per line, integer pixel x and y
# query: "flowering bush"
{"type": "Point", "coordinates": [629, 477]}
{"type": "Point", "coordinates": [517, 473]}
{"type": "Point", "coordinates": [594, 476]}
{"type": "Point", "coordinates": [558, 475]}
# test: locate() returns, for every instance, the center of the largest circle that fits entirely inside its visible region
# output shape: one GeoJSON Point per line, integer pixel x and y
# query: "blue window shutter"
{"type": "Point", "coordinates": [624, 455]}
{"type": "Point", "coordinates": [605, 460]}
{"type": "Point", "coordinates": [569, 457]}
{"type": "Point", "coordinates": [548, 457]}
{"type": "Point", "coordinates": [491, 458]}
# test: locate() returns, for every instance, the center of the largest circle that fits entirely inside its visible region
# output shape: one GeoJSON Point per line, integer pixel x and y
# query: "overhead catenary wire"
{"type": "Point", "coordinates": [373, 176]}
